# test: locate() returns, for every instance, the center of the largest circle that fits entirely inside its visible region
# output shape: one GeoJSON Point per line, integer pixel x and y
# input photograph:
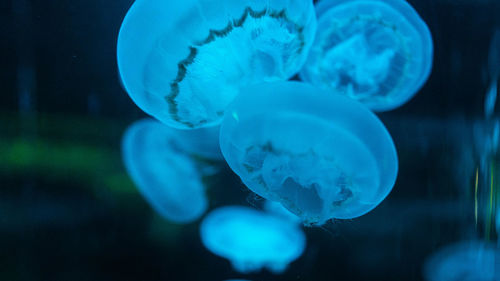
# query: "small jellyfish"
{"type": "Point", "coordinates": [168, 169]}
{"type": "Point", "coordinates": [322, 156]}
{"type": "Point", "coordinates": [252, 239]}
{"type": "Point", "coordinates": [464, 261]}
{"type": "Point", "coordinates": [184, 61]}
{"type": "Point", "coordinates": [378, 52]}
{"type": "Point", "coordinates": [275, 208]}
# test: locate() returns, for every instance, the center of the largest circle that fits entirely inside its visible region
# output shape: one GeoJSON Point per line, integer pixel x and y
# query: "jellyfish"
{"type": "Point", "coordinates": [493, 73]}
{"type": "Point", "coordinates": [464, 261]}
{"type": "Point", "coordinates": [378, 52]}
{"type": "Point", "coordinates": [167, 169]}
{"type": "Point", "coordinates": [183, 62]}
{"type": "Point", "coordinates": [252, 239]}
{"type": "Point", "coordinates": [275, 208]}
{"type": "Point", "coordinates": [322, 156]}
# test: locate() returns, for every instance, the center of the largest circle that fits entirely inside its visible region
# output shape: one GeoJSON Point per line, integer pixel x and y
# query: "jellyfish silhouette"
{"type": "Point", "coordinates": [378, 52]}
{"type": "Point", "coordinates": [167, 169]}
{"type": "Point", "coordinates": [184, 61]}
{"type": "Point", "coordinates": [464, 261]}
{"type": "Point", "coordinates": [252, 239]}
{"type": "Point", "coordinates": [322, 156]}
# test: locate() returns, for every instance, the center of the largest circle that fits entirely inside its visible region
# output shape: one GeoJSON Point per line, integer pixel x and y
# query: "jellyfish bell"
{"type": "Point", "coordinates": [183, 62]}
{"type": "Point", "coordinates": [378, 52]}
{"type": "Point", "coordinates": [466, 261]}
{"type": "Point", "coordinates": [166, 173]}
{"type": "Point", "coordinates": [203, 142]}
{"type": "Point", "coordinates": [252, 239]}
{"type": "Point", "coordinates": [322, 156]}
{"type": "Point", "coordinates": [275, 208]}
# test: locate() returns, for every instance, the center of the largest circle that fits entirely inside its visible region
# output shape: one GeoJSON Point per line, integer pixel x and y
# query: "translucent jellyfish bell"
{"type": "Point", "coordinates": [160, 161]}
{"type": "Point", "coordinates": [378, 52]}
{"type": "Point", "coordinates": [275, 208]}
{"type": "Point", "coordinates": [464, 261]}
{"type": "Point", "coordinates": [251, 239]}
{"type": "Point", "coordinates": [322, 156]}
{"type": "Point", "coordinates": [184, 61]}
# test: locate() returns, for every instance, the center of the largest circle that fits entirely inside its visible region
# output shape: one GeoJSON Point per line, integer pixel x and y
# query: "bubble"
{"type": "Point", "coordinates": [183, 62]}
{"type": "Point", "coordinates": [378, 52]}
{"type": "Point", "coordinates": [322, 156]}
{"type": "Point", "coordinates": [167, 169]}
{"type": "Point", "coordinates": [252, 239]}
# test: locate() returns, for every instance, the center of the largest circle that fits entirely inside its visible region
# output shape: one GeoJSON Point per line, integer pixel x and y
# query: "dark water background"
{"type": "Point", "coordinates": [68, 211]}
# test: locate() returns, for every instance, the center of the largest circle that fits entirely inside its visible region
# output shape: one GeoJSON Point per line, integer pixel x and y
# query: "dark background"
{"type": "Point", "coordinates": [69, 212]}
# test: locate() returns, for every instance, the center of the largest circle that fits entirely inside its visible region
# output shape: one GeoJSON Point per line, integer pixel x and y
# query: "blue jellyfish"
{"type": "Point", "coordinates": [277, 209]}
{"type": "Point", "coordinates": [184, 61]}
{"type": "Point", "coordinates": [167, 170]}
{"type": "Point", "coordinates": [322, 156]}
{"type": "Point", "coordinates": [202, 142]}
{"type": "Point", "coordinates": [252, 239]}
{"type": "Point", "coordinates": [378, 52]}
{"type": "Point", "coordinates": [494, 74]}
{"type": "Point", "coordinates": [464, 261]}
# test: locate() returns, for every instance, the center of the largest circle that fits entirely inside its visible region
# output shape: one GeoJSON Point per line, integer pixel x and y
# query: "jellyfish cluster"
{"type": "Point", "coordinates": [214, 74]}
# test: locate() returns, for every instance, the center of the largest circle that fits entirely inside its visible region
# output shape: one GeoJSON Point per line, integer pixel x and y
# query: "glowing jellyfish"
{"type": "Point", "coordinates": [275, 208]}
{"type": "Point", "coordinates": [202, 142]}
{"type": "Point", "coordinates": [184, 61]}
{"type": "Point", "coordinates": [252, 239]}
{"type": "Point", "coordinates": [378, 52]}
{"type": "Point", "coordinates": [322, 156]}
{"type": "Point", "coordinates": [465, 261]}
{"type": "Point", "coordinates": [167, 169]}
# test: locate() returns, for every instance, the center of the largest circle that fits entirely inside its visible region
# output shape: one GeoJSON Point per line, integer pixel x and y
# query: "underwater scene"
{"type": "Point", "coordinates": [250, 140]}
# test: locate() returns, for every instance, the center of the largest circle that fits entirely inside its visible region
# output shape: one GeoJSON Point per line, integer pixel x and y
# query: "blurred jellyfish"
{"type": "Point", "coordinates": [322, 156]}
{"type": "Point", "coordinates": [184, 61]}
{"type": "Point", "coordinates": [275, 208]}
{"type": "Point", "coordinates": [252, 239]}
{"type": "Point", "coordinates": [168, 169]}
{"type": "Point", "coordinates": [200, 142]}
{"type": "Point", "coordinates": [378, 52]}
{"type": "Point", "coordinates": [464, 261]}
{"type": "Point", "coordinates": [494, 74]}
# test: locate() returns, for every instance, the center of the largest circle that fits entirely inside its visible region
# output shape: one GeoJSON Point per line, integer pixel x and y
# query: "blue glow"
{"type": "Point", "coordinates": [465, 261]}
{"type": "Point", "coordinates": [378, 52]}
{"type": "Point", "coordinates": [498, 224]}
{"type": "Point", "coordinates": [184, 61]}
{"type": "Point", "coordinates": [165, 171]}
{"type": "Point", "coordinates": [322, 156]}
{"type": "Point", "coordinates": [252, 239]}
{"type": "Point", "coordinates": [275, 208]}
{"type": "Point", "coordinates": [494, 74]}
